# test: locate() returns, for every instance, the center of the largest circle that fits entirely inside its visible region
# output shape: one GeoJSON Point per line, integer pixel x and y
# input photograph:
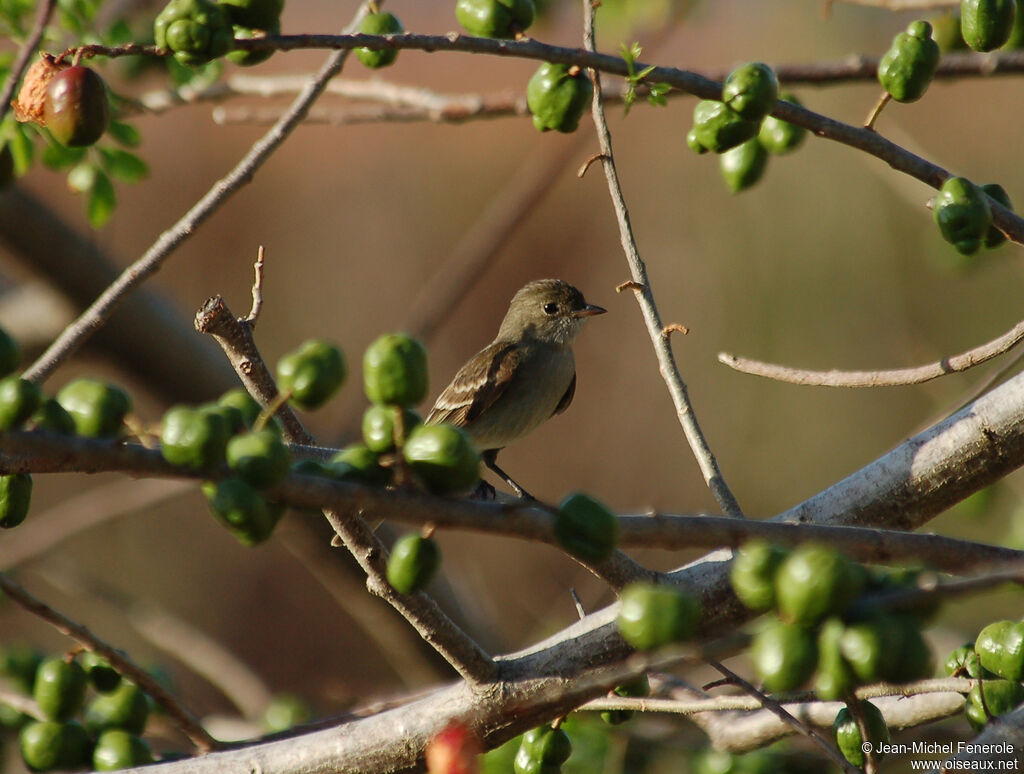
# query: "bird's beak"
{"type": "Point", "coordinates": [589, 311]}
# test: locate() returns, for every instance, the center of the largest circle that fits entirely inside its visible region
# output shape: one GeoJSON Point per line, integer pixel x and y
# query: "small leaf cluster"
{"type": "Point", "coordinates": [71, 733]}
{"type": "Point", "coordinates": [817, 630]}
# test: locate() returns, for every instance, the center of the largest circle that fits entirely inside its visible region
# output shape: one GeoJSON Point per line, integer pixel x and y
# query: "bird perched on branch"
{"type": "Point", "coordinates": [522, 378]}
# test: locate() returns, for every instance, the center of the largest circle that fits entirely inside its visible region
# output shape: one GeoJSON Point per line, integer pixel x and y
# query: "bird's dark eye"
{"type": "Point", "coordinates": [550, 308]}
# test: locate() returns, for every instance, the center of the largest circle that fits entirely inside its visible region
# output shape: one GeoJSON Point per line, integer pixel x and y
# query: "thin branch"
{"type": "Point", "coordinates": [257, 290]}
{"type": "Point", "coordinates": [645, 298]}
{"type": "Point", "coordinates": [890, 378]}
{"type": "Point", "coordinates": [181, 716]}
{"type": "Point", "coordinates": [25, 54]}
{"type": "Point", "coordinates": [788, 718]}
{"type": "Point", "coordinates": [101, 309]}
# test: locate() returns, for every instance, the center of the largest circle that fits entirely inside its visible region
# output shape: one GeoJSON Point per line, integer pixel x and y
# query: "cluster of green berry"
{"type": "Point", "coordinates": [199, 31]}
{"type": "Point", "coordinates": [818, 633]}
{"type": "Point", "coordinates": [107, 735]}
{"type": "Point", "coordinates": [739, 128]}
{"type": "Point", "coordinates": [996, 660]}
{"type": "Point", "coordinates": [986, 24]}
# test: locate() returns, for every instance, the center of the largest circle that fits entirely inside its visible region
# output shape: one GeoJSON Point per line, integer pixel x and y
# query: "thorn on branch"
{"type": "Point", "coordinates": [586, 164]}
{"type": "Point", "coordinates": [630, 285]}
{"type": "Point", "coordinates": [257, 290]}
{"type": "Point", "coordinates": [671, 328]}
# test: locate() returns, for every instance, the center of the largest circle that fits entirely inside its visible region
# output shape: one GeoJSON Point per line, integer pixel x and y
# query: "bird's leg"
{"type": "Point", "coordinates": [490, 460]}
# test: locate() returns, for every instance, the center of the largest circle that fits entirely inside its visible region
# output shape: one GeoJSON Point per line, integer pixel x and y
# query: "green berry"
{"type": "Point", "coordinates": [126, 708]}
{"type": "Point", "coordinates": [59, 688]}
{"type": "Point", "coordinates": [382, 23]}
{"type": "Point", "coordinates": [751, 90]}
{"type": "Point", "coordinates": [244, 403]}
{"type": "Point", "coordinates": [379, 426]}
{"type": "Point", "coordinates": [241, 509]}
{"type": "Point", "coordinates": [196, 31]}
{"type": "Point", "coordinates": [395, 370]}
{"type": "Point", "coordinates": [753, 574]}
{"type": "Point", "coordinates": [963, 214]}
{"type": "Point", "coordinates": [834, 679]}
{"type": "Point", "coordinates": [1000, 649]}
{"type": "Point", "coordinates": [872, 648]}
{"type": "Point", "coordinates": [193, 437]}
{"type": "Point", "coordinates": [586, 528]}
{"type": "Point", "coordinates": [848, 737]}
{"type": "Point", "coordinates": [245, 57]}
{"type": "Point", "coordinates": [285, 711]}
{"type": "Point", "coordinates": [651, 616]}
{"type": "Point", "coordinates": [638, 688]}
{"type": "Point", "coordinates": [494, 18]}
{"type": "Point", "coordinates": [693, 143]}
{"type": "Point", "coordinates": [311, 374]}
{"type": "Point", "coordinates": [19, 400]}
{"type": "Point", "coordinates": [443, 458]}
{"type": "Point", "coordinates": [97, 409]}
{"type": "Point", "coordinates": [784, 655]}
{"type": "Point", "coordinates": [718, 127]}
{"type": "Point", "coordinates": [10, 352]}
{"type": "Point", "coordinates": [259, 457]}
{"type": "Point", "coordinates": [906, 69]}
{"type": "Point", "coordinates": [50, 745]}
{"type": "Point", "coordinates": [542, 750]}
{"type": "Point", "coordinates": [77, 109]}
{"type": "Point", "coordinates": [814, 582]}
{"type": "Point", "coordinates": [744, 165]}
{"type": "Point", "coordinates": [117, 749]}
{"type": "Point", "coordinates": [413, 562]}
{"type": "Point", "coordinates": [994, 237]}
{"type": "Point", "coordinates": [15, 499]}
{"type": "Point", "coordinates": [357, 464]}
{"type": "Point", "coordinates": [778, 136]}
{"type": "Point", "coordinates": [104, 678]}
{"type": "Point", "coordinates": [557, 95]}
{"type": "Point", "coordinates": [1000, 697]}
{"type": "Point", "coordinates": [255, 14]}
{"type": "Point", "coordinates": [986, 24]}
{"type": "Point", "coordinates": [53, 418]}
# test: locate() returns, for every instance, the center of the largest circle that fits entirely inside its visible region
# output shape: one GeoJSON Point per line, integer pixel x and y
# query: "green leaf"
{"type": "Point", "coordinates": [102, 200]}
{"type": "Point", "coordinates": [83, 177]}
{"type": "Point", "coordinates": [123, 165]}
{"type": "Point", "coordinates": [644, 73]}
{"type": "Point", "coordinates": [126, 134]}
{"type": "Point", "coordinates": [57, 156]}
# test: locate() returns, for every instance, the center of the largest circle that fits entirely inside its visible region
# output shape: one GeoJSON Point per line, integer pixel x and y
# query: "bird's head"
{"type": "Point", "coordinates": [547, 310]}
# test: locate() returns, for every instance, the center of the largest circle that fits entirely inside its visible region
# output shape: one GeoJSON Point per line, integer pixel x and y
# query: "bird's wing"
{"type": "Point", "coordinates": [563, 404]}
{"type": "Point", "coordinates": [477, 385]}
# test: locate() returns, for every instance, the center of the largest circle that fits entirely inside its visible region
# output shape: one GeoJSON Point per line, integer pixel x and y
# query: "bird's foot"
{"type": "Point", "coordinates": [484, 491]}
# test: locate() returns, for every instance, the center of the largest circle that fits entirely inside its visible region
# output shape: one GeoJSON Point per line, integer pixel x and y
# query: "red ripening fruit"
{"type": "Point", "coordinates": [77, 109]}
{"type": "Point", "coordinates": [455, 750]}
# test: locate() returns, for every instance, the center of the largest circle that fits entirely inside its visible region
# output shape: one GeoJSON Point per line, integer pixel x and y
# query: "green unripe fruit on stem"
{"type": "Point", "coordinates": [834, 679]}
{"type": "Point", "coordinates": [1000, 648]}
{"type": "Point", "coordinates": [494, 18]}
{"type": "Point", "coordinates": [15, 499]}
{"type": "Point", "coordinates": [19, 400]}
{"type": "Point", "coordinates": [751, 90]}
{"type": "Point", "coordinates": [986, 24]}
{"type": "Point", "coordinates": [542, 750]}
{"type": "Point", "coordinates": [126, 707]}
{"type": "Point", "coordinates": [380, 426]}
{"type": "Point", "coordinates": [241, 400]}
{"type": "Point", "coordinates": [744, 165]}
{"type": "Point", "coordinates": [255, 14]}
{"type": "Point", "coordinates": [651, 616]}
{"type": "Point", "coordinates": [718, 127]}
{"type": "Point", "coordinates": [872, 648]}
{"type": "Point", "coordinates": [778, 136]}
{"type": "Point", "coordinates": [117, 749]}
{"type": "Point", "coordinates": [98, 409]}
{"type": "Point", "coordinates": [946, 32]}
{"type": "Point", "coordinates": [964, 662]}
{"type": "Point", "coordinates": [245, 57]}
{"type": "Point", "coordinates": [784, 655]}
{"type": "Point", "coordinates": [356, 463]}
{"type": "Point", "coordinates": [284, 711]}
{"type": "Point", "coordinates": [395, 370]}
{"type": "Point", "coordinates": [10, 352]}
{"type": "Point", "coordinates": [104, 678]}
{"type": "Point", "coordinates": [241, 509]}
{"type": "Point", "coordinates": [752, 574]}
{"type": "Point", "coordinates": [848, 737]}
{"type": "Point", "coordinates": [53, 418]}
{"type": "Point", "coordinates": [814, 582]}
{"type": "Point", "coordinates": [77, 109]}
{"type": "Point", "coordinates": [994, 237]}
{"type": "Point", "coordinates": [195, 438]}
{"type": "Point", "coordinates": [196, 31]}
{"type": "Point", "coordinates": [59, 689]}
{"type": "Point", "coordinates": [260, 458]}
{"type": "Point", "coordinates": [693, 143]}
{"type": "Point", "coordinates": [311, 374]}
{"type": "Point", "coordinates": [586, 528]}
{"type": "Point", "coordinates": [906, 69]}
{"type": "Point", "coordinates": [963, 214]}
{"type": "Point", "coordinates": [50, 745]}
{"type": "Point", "coordinates": [638, 688]}
{"type": "Point", "coordinates": [443, 458]}
{"type": "Point", "coordinates": [413, 562]}
{"type": "Point", "coordinates": [996, 696]}
{"type": "Point", "coordinates": [916, 660]}
{"type": "Point", "coordinates": [383, 23]}
{"type": "Point", "coordinates": [557, 95]}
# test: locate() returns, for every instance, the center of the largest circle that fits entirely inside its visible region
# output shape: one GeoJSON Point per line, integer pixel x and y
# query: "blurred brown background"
{"type": "Point", "coordinates": [832, 261]}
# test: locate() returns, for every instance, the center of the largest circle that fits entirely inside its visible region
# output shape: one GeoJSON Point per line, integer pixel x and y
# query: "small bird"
{"type": "Point", "coordinates": [522, 378]}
